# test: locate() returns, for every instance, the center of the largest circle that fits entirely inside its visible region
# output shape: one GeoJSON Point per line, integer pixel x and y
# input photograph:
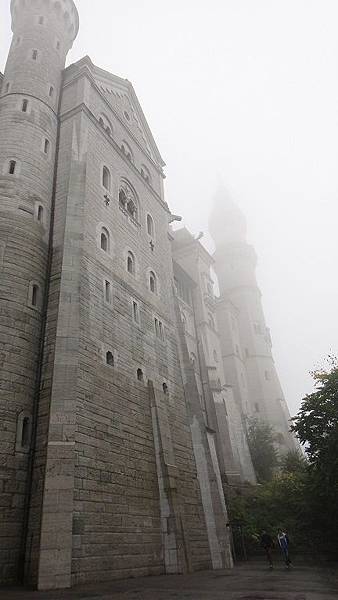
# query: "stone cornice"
{"type": "Point", "coordinates": [83, 108]}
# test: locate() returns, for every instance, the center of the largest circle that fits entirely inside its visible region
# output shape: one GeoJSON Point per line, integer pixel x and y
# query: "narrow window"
{"type": "Point", "coordinates": [152, 282]}
{"type": "Point", "coordinates": [18, 40]}
{"type": "Point", "coordinates": [211, 321]}
{"type": "Point", "coordinates": [110, 359]}
{"type": "Point", "coordinates": [41, 20]}
{"type": "Point", "coordinates": [161, 330]}
{"type": "Point", "coordinates": [106, 178]}
{"type": "Point", "coordinates": [58, 45]}
{"type": "Point", "coordinates": [40, 213]}
{"type": "Point", "coordinates": [104, 240]}
{"type": "Point", "coordinates": [107, 292]}
{"type": "Point", "coordinates": [34, 54]}
{"type": "Point", "coordinates": [35, 295]}
{"type": "Point", "coordinates": [24, 106]}
{"type": "Point", "coordinates": [139, 375]}
{"type": "Point", "coordinates": [131, 263]}
{"type": "Point", "coordinates": [46, 146]}
{"type": "Point", "coordinates": [215, 356]}
{"type": "Point", "coordinates": [101, 121]}
{"type": "Point", "coordinates": [150, 226]}
{"type": "Point", "coordinates": [136, 312]}
{"type": "Point", "coordinates": [25, 433]}
{"type": "Point", "coordinates": [165, 388]}
{"type": "Point", "coordinates": [256, 407]}
{"type": "Point", "coordinates": [11, 168]}
{"type": "Point", "coordinates": [51, 91]}
{"type": "Point", "coordinates": [156, 326]}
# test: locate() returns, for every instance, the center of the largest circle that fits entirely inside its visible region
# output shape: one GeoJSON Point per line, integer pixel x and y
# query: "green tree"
{"type": "Point", "coordinates": [293, 462]}
{"type": "Point", "coordinates": [261, 437]}
{"type": "Point", "coordinates": [317, 428]}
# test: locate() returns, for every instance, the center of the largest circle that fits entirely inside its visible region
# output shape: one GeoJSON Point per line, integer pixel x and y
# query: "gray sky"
{"type": "Point", "coordinates": [245, 91]}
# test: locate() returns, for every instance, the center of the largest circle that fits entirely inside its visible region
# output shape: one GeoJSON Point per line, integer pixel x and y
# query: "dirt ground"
{"type": "Point", "coordinates": [249, 581]}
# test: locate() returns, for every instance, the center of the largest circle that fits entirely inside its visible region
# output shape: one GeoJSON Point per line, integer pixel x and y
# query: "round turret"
{"type": "Point", "coordinates": [43, 32]}
{"type": "Point", "coordinates": [227, 223]}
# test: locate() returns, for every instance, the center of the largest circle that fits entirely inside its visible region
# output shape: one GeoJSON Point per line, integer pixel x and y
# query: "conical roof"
{"type": "Point", "coordinates": [227, 224]}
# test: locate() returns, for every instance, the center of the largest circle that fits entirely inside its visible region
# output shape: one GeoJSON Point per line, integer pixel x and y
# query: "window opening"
{"type": "Point", "coordinates": [165, 388]}
{"type": "Point", "coordinates": [131, 263]}
{"type": "Point", "coordinates": [150, 226]}
{"type": "Point", "coordinates": [152, 282]}
{"type": "Point", "coordinates": [34, 54]}
{"type": "Point", "coordinates": [136, 312]}
{"type": "Point", "coordinates": [11, 168]}
{"type": "Point", "coordinates": [106, 178]}
{"type": "Point", "coordinates": [24, 105]}
{"type": "Point", "coordinates": [51, 91]}
{"type": "Point", "coordinates": [104, 240]}
{"type": "Point", "coordinates": [139, 375]}
{"type": "Point", "coordinates": [41, 20]}
{"type": "Point", "coordinates": [46, 146]}
{"type": "Point", "coordinates": [35, 293]}
{"type": "Point", "coordinates": [25, 433]}
{"type": "Point", "coordinates": [107, 291]}
{"type": "Point", "coordinates": [110, 359]}
{"type": "Point", "coordinates": [40, 213]}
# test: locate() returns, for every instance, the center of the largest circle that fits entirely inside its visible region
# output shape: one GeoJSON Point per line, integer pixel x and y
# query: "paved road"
{"type": "Point", "coordinates": [248, 582]}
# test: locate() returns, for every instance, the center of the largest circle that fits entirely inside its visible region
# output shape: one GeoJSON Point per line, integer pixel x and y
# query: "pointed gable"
{"type": "Point", "coordinates": [121, 96]}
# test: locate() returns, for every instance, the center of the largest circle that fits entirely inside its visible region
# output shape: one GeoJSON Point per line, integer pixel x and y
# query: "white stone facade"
{"type": "Point", "coordinates": [116, 446]}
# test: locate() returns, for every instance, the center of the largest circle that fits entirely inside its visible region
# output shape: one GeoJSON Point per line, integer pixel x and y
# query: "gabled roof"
{"type": "Point", "coordinates": [121, 95]}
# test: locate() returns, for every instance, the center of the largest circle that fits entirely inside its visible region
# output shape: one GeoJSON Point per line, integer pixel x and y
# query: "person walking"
{"type": "Point", "coordinates": [267, 544]}
{"type": "Point", "coordinates": [283, 542]}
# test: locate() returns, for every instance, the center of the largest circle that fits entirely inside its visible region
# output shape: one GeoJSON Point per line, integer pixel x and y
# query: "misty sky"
{"type": "Point", "coordinates": [244, 92]}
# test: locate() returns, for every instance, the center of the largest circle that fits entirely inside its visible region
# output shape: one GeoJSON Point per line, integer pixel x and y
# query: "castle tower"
{"type": "Point", "coordinates": [43, 32]}
{"type": "Point", "coordinates": [246, 342]}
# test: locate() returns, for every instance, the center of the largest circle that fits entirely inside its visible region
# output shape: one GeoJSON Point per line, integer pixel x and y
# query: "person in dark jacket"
{"type": "Point", "coordinates": [283, 542]}
{"type": "Point", "coordinates": [267, 544]}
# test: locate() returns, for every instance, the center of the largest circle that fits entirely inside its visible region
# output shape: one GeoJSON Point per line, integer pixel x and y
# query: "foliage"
{"type": "Point", "coordinates": [293, 462]}
{"type": "Point", "coordinates": [302, 497]}
{"type": "Point", "coordinates": [264, 455]}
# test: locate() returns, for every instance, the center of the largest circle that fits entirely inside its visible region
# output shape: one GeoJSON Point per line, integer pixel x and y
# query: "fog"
{"type": "Point", "coordinates": [244, 92]}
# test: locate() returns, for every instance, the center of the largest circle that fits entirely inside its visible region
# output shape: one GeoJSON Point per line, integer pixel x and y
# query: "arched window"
{"type": "Point", "coordinates": [215, 356]}
{"type": "Point", "coordinates": [51, 91]}
{"type": "Point", "coordinates": [34, 54]}
{"type": "Point", "coordinates": [24, 106]}
{"type": "Point", "coordinates": [128, 201]}
{"type": "Point", "coordinates": [193, 360]}
{"type": "Point", "coordinates": [104, 240]}
{"type": "Point", "coordinates": [150, 225]}
{"type": "Point", "coordinates": [152, 282]}
{"type": "Point", "coordinates": [110, 358]}
{"type": "Point", "coordinates": [46, 146]}
{"type": "Point", "coordinates": [139, 375]}
{"type": "Point", "coordinates": [131, 263]}
{"type": "Point", "coordinates": [106, 178]}
{"type": "Point", "coordinates": [165, 389]}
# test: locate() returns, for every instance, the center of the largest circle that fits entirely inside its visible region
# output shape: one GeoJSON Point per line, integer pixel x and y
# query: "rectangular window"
{"type": "Point", "coordinates": [34, 54]}
{"type": "Point", "coordinates": [41, 20]}
{"type": "Point", "coordinates": [24, 105]}
{"type": "Point", "coordinates": [46, 146]}
{"type": "Point", "coordinates": [107, 292]}
{"type": "Point", "coordinates": [136, 312]}
{"type": "Point", "coordinates": [159, 329]}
